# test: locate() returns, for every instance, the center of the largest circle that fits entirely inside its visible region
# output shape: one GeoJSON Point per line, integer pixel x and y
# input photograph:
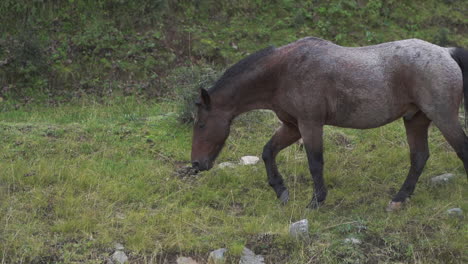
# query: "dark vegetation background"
{"type": "Point", "coordinates": [57, 50]}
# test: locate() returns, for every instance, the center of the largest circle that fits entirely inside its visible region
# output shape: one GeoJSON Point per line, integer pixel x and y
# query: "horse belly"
{"type": "Point", "coordinates": [368, 111]}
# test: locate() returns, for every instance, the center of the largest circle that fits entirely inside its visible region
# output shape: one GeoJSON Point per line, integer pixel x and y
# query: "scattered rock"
{"type": "Point", "coordinates": [360, 227]}
{"type": "Point", "coordinates": [249, 257]}
{"type": "Point", "coordinates": [300, 230]}
{"type": "Point", "coordinates": [353, 241]}
{"type": "Point", "coordinates": [226, 164]}
{"type": "Point", "coordinates": [118, 246]}
{"type": "Point", "coordinates": [249, 160]}
{"type": "Point", "coordinates": [217, 256]}
{"type": "Point", "coordinates": [455, 212]}
{"type": "Point", "coordinates": [442, 179]}
{"type": "Point", "coordinates": [119, 257]}
{"type": "Point", "coordinates": [184, 260]}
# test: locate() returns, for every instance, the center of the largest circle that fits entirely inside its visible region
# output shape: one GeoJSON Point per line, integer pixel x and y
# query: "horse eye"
{"type": "Point", "coordinates": [201, 125]}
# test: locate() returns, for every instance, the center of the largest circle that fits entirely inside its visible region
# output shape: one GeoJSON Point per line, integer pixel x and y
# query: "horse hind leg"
{"type": "Point", "coordinates": [454, 134]}
{"type": "Point", "coordinates": [447, 122]}
{"type": "Point", "coordinates": [283, 137]}
{"type": "Point", "coordinates": [416, 133]}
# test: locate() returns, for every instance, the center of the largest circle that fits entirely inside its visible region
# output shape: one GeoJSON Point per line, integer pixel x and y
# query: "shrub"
{"type": "Point", "coordinates": [187, 82]}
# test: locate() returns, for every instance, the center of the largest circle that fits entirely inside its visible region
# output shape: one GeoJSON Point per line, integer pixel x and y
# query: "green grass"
{"type": "Point", "coordinates": [77, 178]}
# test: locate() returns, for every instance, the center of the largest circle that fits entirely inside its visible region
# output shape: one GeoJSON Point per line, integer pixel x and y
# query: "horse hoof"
{"type": "Point", "coordinates": [394, 206]}
{"type": "Point", "coordinates": [284, 197]}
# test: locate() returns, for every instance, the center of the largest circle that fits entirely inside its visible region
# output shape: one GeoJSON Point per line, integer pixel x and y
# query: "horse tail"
{"type": "Point", "coordinates": [461, 57]}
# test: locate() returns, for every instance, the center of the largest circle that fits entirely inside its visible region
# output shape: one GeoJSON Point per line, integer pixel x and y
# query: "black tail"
{"type": "Point", "coordinates": [461, 57]}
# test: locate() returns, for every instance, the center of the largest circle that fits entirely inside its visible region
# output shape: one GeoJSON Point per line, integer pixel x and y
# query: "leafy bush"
{"type": "Point", "coordinates": [187, 82]}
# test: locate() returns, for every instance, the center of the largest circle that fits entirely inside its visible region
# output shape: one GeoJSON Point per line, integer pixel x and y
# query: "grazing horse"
{"type": "Point", "coordinates": [313, 82]}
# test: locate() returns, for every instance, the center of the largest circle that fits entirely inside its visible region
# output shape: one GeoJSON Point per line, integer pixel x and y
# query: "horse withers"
{"type": "Point", "coordinates": [313, 82]}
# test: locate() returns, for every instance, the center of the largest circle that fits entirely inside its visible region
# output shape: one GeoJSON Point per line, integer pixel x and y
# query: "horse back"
{"type": "Point", "coordinates": [365, 87]}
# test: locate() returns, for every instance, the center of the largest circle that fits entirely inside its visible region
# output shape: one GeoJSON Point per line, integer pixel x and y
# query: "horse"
{"type": "Point", "coordinates": [313, 82]}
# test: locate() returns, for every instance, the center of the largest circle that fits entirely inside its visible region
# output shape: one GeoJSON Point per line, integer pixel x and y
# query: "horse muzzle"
{"type": "Point", "coordinates": [202, 165]}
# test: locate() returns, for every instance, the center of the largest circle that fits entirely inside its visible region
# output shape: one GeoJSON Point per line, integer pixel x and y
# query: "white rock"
{"type": "Point", "coordinates": [455, 212]}
{"type": "Point", "coordinates": [118, 246]}
{"type": "Point", "coordinates": [184, 260]}
{"type": "Point", "coordinates": [300, 229]}
{"type": "Point", "coordinates": [352, 240]}
{"type": "Point", "coordinates": [226, 164]}
{"type": "Point", "coordinates": [442, 179]}
{"type": "Point", "coordinates": [217, 256]}
{"type": "Point", "coordinates": [249, 257]}
{"type": "Point", "coordinates": [119, 257]}
{"type": "Point", "coordinates": [249, 160]}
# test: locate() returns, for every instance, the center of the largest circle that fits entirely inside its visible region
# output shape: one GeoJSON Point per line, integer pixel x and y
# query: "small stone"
{"type": "Point", "coordinates": [217, 256]}
{"type": "Point", "coordinates": [184, 260]}
{"type": "Point", "coordinates": [118, 246]}
{"type": "Point", "coordinates": [249, 160]}
{"type": "Point", "coordinates": [300, 230]}
{"type": "Point", "coordinates": [442, 179]}
{"type": "Point", "coordinates": [226, 164]}
{"type": "Point", "coordinates": [353, 241]}
{"type": "Point", "coordinates": [455, 212]}
{"type": "Point", "coordinates": [249, 257]}
{"type": "Point", "coordinates": [119, 257]}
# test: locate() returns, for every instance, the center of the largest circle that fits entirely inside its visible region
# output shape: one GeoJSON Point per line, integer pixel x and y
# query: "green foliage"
{"type": "Point", "coordinates": [187, 82]}
{"type": "Point", "coordinates": [103, 46]}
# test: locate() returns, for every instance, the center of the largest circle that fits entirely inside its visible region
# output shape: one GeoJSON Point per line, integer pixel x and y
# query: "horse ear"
{"type": "Point", "coordinates": [205, 98]}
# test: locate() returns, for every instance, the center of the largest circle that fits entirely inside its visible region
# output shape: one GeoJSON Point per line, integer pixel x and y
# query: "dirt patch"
{"type": "Point", "coordinates": [237, 209]}
{"type": "Point", "coordinates": [165, 258]}
{"type": "Point", "coordinates": [341, 139]}
{"type": "Point", "coordinates": [186, 172]}
{"type": "Point", "coordinates": [266, 244]}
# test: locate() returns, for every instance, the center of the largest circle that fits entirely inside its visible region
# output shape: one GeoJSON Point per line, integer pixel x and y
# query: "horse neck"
{"type": "Point", "coordinates": [248, 95]}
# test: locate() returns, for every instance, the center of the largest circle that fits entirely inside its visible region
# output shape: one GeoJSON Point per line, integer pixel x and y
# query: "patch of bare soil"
{"type": "Point", "coordinates": [265, 244]}
{"type": "Point", "coordinates": [186, 172]}
{"type": "Point", "coordinates": [341, 139]}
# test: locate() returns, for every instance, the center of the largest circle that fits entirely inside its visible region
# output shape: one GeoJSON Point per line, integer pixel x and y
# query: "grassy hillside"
{"type": "Point", "coordinates": [78, 178]}
{"type": "Point", "coordinates": [66, 48]}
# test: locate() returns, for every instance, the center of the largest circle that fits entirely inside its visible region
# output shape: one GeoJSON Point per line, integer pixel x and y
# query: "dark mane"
{"type": "Point", "coordinates": [241, 67]}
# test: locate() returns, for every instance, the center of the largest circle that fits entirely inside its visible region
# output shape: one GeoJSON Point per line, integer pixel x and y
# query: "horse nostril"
{"type": "Point", "coordinates": [195, 164]}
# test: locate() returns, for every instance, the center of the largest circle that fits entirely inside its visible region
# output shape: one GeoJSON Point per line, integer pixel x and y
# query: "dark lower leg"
{"type": "Point", "coordinates": [316, 169]}
{"type": "Point", "coordinates": [416, 133]}
{"type": "Point", "coordinates": [456, 137]}
{"type": "Point", "coordinates": [418, 161]}
{"type": "Point", "coordinates": [313, 143]}
{"type": "Point", "coordinates": [283, 137]}
{"type": "Point", "coordinates": [463, 154]}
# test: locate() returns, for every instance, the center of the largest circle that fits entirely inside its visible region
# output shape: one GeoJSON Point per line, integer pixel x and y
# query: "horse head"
{"type": "Point", "coordinates": [210, 131]}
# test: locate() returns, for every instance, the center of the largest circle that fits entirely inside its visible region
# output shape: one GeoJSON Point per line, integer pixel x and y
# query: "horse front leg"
{"type": "Point", "coordinates": [416, 133]}
{"type": "Point", "coordinates": [283, 137]}
{"type": "Point", "coordinates": [312, 135]}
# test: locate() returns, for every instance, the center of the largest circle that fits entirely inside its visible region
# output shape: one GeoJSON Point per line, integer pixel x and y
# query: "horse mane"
{"type": "Point", "coordinates": [241, 67]}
